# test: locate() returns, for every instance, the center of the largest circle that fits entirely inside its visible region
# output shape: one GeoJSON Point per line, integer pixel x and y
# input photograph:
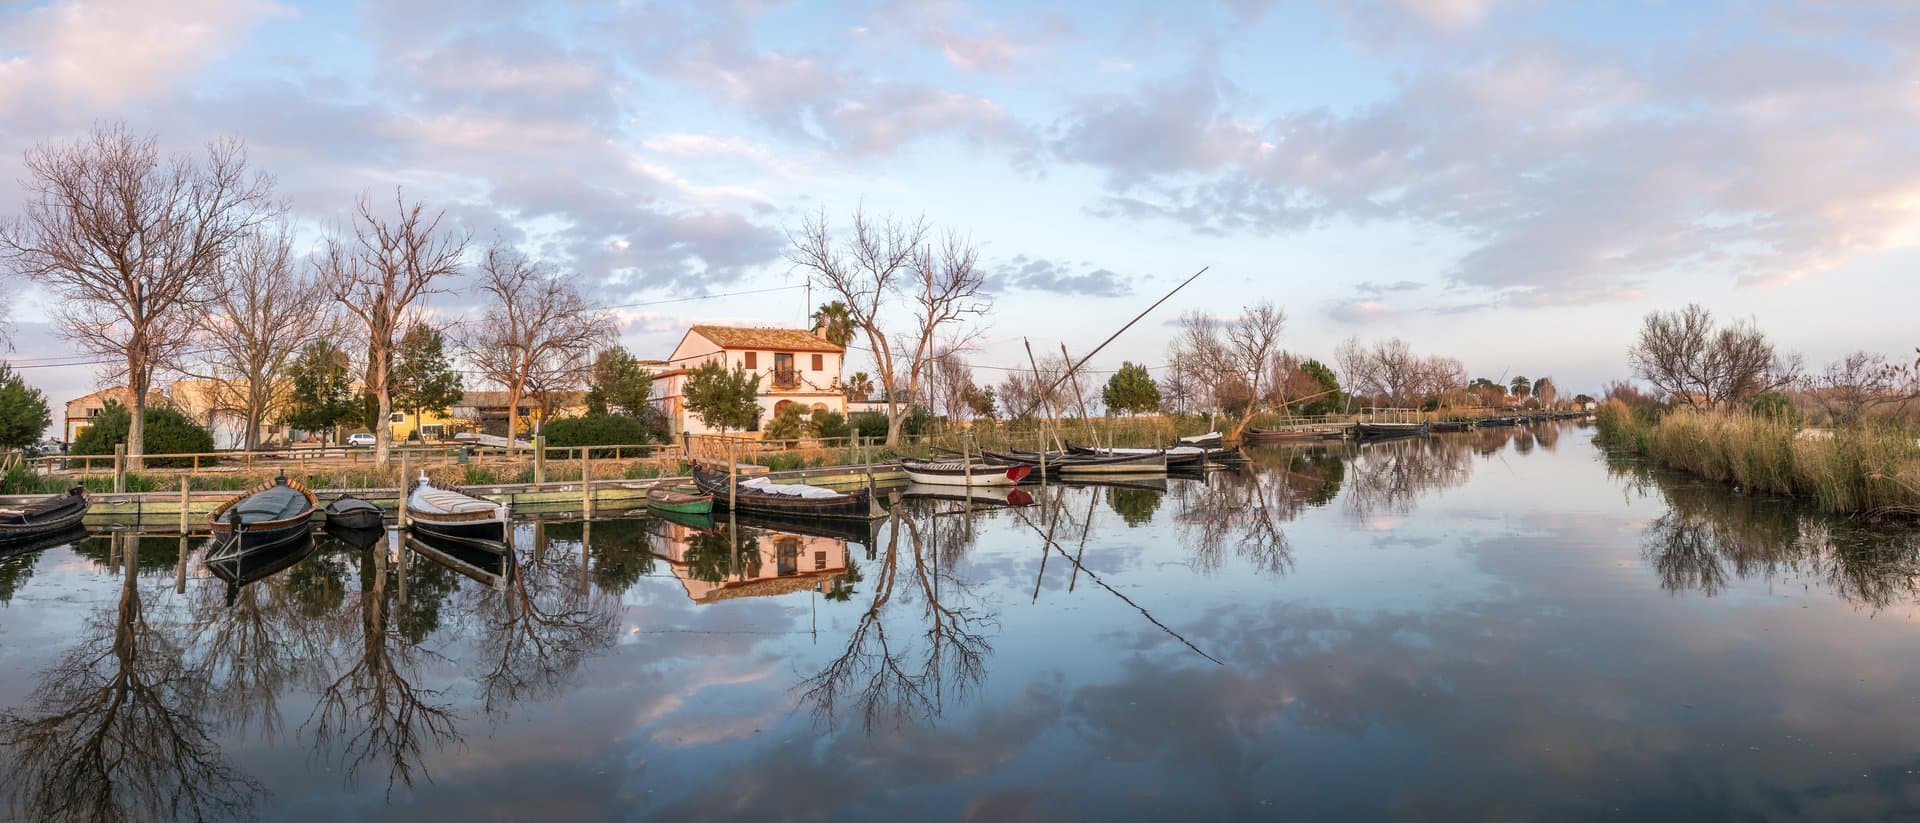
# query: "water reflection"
{"type": "Point", "coordinates": [543, 625]}
{"type": "Point", "coordinates": [880, 679]}
{"type": "Point", "coordinates": [1244, 509]}
{"type": "Point", "coordinates": [119, 728]}
{"type": "Point", "coordinates": [1712, 536]}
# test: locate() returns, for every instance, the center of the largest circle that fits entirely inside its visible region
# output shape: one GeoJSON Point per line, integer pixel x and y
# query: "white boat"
{"type": "Point", "coordinates": [448, 513]}
{"type": "Point", "coordinates": [1210, 440]}
{"type": "Point", "coordinates": [962, 473]}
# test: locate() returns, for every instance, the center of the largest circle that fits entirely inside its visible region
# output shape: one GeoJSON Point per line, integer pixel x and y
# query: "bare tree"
{"type": "Point", "coordinates": [1685, 356]}
{"type": "Point", "coordinates": [952, 384]}
{"type": "Point", "coordinates": [1854, 385]}
{"type": "Point", "coordinates": [263, 310]}
{"type": "Point", "coordinates": [377, 276]}
{"type": "Point", "coordinates": [131, 245]}
{"type": "Point", "coordinates": [1253, 340]}
{"type": "Point", "coordinates": [886, 260]}
{"type": "Point", "coordinates": [538, 334]}
{"type": "Point", "coordinates": [1229, 362]}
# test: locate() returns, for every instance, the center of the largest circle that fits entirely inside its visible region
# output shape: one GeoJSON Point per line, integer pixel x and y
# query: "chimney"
{"type": "Point", "coordinates": [820, 331]}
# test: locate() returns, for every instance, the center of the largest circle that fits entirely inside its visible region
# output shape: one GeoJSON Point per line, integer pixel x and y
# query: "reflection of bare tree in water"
{"type": "Point", "coordinates": [1389, 475]}
{"type": "Point", "coordinates": [1712, 535]}
{"type": "Point", "coordinates": [542, 627]}
{"type": "Point", "coordinates": [116, 733]}
{"type": "Point", "coordinates": [1246, 508]}
{"type": "Point", "coordinates": [879, 683]}
{"type": "Point", "coordinates": [253, 649]}
{"type": "Point", "coordinates": [374, 711]}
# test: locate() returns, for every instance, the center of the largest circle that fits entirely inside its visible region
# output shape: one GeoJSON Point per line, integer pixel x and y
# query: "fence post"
{"type": "Point", "coordinates": [586, 484]}
{"type": "Point", "coordinates": [539, 459]}
{"type": "Point", "coordinates": [119, 468]}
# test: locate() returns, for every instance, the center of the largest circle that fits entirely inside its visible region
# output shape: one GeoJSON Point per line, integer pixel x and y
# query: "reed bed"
{"type": "Point", "coordinates": [1861, 470]}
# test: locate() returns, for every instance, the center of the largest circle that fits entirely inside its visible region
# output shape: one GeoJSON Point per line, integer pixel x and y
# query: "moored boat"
{"type": "Point", "coordinates": [678, 497]}
{"type": "Point", "coordinates": [453, 514]}
{"type": "Point", "coordinates": [50, 515]}
{"type": "Point", "coordinates": [1083, 466]}
{"type": "Point", "coordinates": [1450, 425]}
{"type": "Point", "coordinates": [263, 518]}
{"type": "Point", "coordinates": [1210, 440]}
{"type": "Point", "coordinates": [1375, 431]}
{"type": "Point", "coordinates": [962, 472]}
{"type": "Point", "coordinates": [761, 494]}
{"type": "Point", "coordinates": [1176, 456]}
{"type": "Point", "coordinates": [1281, 437]}
{"type": "Point", "coordinates": [349, 512]}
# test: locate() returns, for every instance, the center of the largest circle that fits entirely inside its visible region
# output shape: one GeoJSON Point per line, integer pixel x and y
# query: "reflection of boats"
{"type": "Point", "coordinates": [239, 569]}
{"type": "Point", "coordinates": [678, 498]}
{"type": "Point", "coordinates": [349, 512]}
{"type": "Point", "coordinates": [362, 539]}
{"type": "Point", "coordinates": [261, 519]}
{"type": "Point", "coordinates": [963, 472]}
{"type": "Point", "coordinates": [761, 495]}
{"type": "Point", "coordinates": [1002, 496]}
{"type": "Point", "coordinates": [28, 545]}
{"type": "Point", "coordinates": [1158, 484]}
{"type": "Point", "coordinates": [1176, 456]}
{"type": "Point", "coordinates": [51, 515]}
{"type": "Point", "coordinates": [449, 513]}
{"type": "Point", "coordinates": [488, 565]}
{"type": "Point", "coordinates": [1375, 431]}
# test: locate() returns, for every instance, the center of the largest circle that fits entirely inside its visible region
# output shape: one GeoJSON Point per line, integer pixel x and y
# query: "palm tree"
{"type": "Point", "coordinates": [835, 321]}
{"type": "Point", "coordinates": [860, 386]}
{"type": "Point", "coordinates": [1521, 386]}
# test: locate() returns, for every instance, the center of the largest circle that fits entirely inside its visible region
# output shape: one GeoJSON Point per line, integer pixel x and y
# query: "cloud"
{"type": "Point", "coordinates": [113, 52]}
{"type": "Point", "coordinates": [1360, 310]}
{"type": "Point", "coordinates": [1573, 171]}
{"type": "Point", "coordinates": [1037, 274]}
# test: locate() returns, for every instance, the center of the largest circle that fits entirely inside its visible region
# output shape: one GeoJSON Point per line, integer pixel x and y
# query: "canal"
{"type": "Point", "coordinates": [1505, 623]}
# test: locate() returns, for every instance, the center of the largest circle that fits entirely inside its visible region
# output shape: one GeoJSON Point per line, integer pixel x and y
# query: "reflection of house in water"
{"type": "Point", "coordinates": [766, 562]}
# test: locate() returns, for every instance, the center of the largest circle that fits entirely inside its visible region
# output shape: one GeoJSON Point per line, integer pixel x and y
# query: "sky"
{"type": "Point", "coordinates": [1508, 182]}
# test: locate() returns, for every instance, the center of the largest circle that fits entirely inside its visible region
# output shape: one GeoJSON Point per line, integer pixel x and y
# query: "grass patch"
{"type": "Point", "coordinates": [1867, 469]}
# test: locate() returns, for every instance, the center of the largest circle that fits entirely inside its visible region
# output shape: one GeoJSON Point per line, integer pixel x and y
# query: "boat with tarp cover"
{"type": "Point", "coordinates": [963, 472]}
{"type": "Point", "coordinates": [761, 494]}
{"type": "Point", "coordinates": [260, 519]}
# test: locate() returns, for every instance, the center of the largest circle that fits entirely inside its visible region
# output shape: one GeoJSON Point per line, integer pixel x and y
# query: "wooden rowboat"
{"type": "Point", "coordinates": [1376, 431]}
{"type": "Point", "coordinates": [1279, 437]}
{"type": "Point", "coordinates": [961, 472]}
{"type": "Point", "coordinates": [263, 518]}
{"type": "Point", "coordinates": [51, 515]}
{"type": "Point", "coordinates": [678, 498]}
{"type": "Point", "coordinates": [795, 499]}
{"type": "Point", "coordinates": [1076, 466]}
{"type": "Point", "coordinates": [349, 512]}
{"type": "Point", "coordinates": [449, 513]}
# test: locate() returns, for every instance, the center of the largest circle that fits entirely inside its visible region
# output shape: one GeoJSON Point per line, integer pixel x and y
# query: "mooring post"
{"type": "Point", "coordinates": [180, 568]}
{"type": "Point", "coordinates": [539, 459]}
{"type": "Point", "coordinates": [733, 477]}
{"type": "Point", "coordinates": [405, 486]}
{"type": "Point", "coordinates": [183, 506]}
{"type": "Point", "coordinates": [119, 468]}
{"type": "Point", "coordinates": [586, 483]}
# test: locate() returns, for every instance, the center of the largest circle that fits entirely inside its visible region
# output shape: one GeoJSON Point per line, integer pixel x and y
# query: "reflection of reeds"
{"type": "Point", "coordinates": [1867, 469]}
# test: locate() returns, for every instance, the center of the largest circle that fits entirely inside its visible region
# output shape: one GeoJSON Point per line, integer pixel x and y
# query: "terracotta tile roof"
{"type": "Point", "coordinates": [737, 337]}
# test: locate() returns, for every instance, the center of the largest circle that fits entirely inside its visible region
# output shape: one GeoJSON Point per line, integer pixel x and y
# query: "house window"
{"type": "Point", "coordinates": [819, 362]}
{"type": "Point", "coordinates": [819, 560]}
{"type": "Point", "coordinates": [751, 359]}
{"type": "Point", "coordinates": [397, 417]}
{"type": "Point", "coordinates": [784, 377]}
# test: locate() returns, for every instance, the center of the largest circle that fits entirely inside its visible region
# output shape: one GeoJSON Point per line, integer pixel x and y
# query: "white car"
{"type": "Point", "coordinates": [360, 439]}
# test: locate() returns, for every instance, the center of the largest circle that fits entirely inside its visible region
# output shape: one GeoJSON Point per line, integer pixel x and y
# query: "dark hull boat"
{"type": "Point", "coordinates": [1378, 431]}
{"type": "Point", "coordinates": [1497, 422]}
{"type": "Point", "coordinates": [1283, 437]}
{"type": "Point", "coordinates": [349, 512]}
{"type": "Point", "coordinates": [961, 472]}
{"type": "Point", "coordinates": [261, 519]}
{"type": "Point", "coordinates": [1084, 466]}
{"type": "Point", "coordinates": [456, 515]}
{"type": "Point", "coordinates": [1450, 426]}
{"type": "Point", "coordinates": [362, 539]}
{"type": "Point", "coordinates": [1176, 457]}
{"type": "Point", "coordinates": [50, 516]}
{"type": "Point", "coordinates": [792, 499]}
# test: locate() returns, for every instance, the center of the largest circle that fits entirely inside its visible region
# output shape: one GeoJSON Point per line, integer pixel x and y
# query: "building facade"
{"type": "Point", "coordinates": [794, 367]}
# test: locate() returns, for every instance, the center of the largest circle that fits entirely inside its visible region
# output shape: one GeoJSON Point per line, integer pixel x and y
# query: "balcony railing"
{"type": "Point", "coordinates": [786, 378]}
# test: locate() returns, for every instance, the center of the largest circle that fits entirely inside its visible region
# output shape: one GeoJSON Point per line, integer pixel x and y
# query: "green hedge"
{"type": "Point", "coordinates": [599, 430]}
{"type": "Point", "coordinates": [168, 432]}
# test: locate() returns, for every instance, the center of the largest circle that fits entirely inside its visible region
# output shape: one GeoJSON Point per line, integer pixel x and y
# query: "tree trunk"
{"type": "Point", "coordinates": [382, 432]}
{"type": "Point", "coordinates": [137, 427]}
{"type": "Point", "coordinates": [513, 415]}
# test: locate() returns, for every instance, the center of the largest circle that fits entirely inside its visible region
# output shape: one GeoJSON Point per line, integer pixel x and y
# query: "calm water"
{"type": "Point", "coordinates": [1499, 624]}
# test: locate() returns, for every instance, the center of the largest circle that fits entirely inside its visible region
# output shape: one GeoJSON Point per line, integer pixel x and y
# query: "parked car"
{"type": "Point", "coordinates": [360, 439]}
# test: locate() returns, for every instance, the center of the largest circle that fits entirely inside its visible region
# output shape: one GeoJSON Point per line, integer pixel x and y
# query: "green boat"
{"type": "Point", "coordinates": [680, 499]}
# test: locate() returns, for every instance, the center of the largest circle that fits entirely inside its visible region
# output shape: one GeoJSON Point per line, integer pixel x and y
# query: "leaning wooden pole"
{"type": "Point", "coordinates": [1080, 399]}
{"type": "Point", "coordinates": [1053, 414]}
{"type": "Point", "coordinates": [1123, 329]}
